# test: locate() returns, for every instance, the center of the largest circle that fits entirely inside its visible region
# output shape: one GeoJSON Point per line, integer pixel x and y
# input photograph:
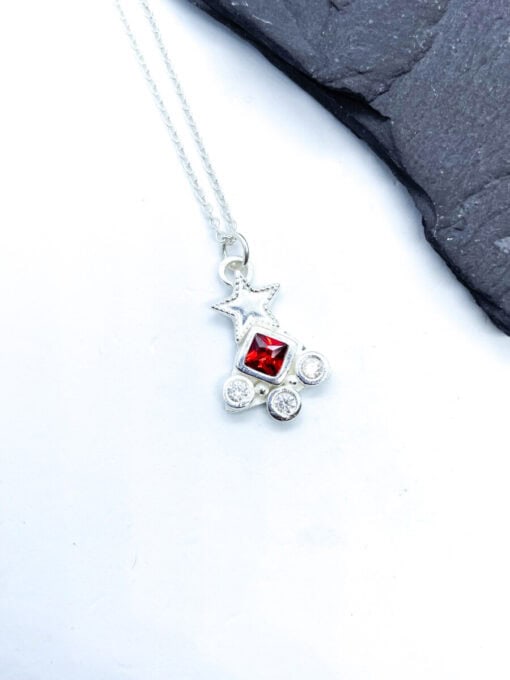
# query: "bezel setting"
{"type": "Point", "coordinates": [284, 403]}
{"type": "Point", "coordinates": [307, 377]}
{"type": "Point", "coordinates": [238, 392]}
{"type": "Point", "coordinates": [270, 367]}
{"type": "Point", "coordinates": [287, 362]}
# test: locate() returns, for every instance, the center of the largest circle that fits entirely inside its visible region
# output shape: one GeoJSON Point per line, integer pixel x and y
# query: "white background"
{"type": "Point", "coordinates": [144, 533]}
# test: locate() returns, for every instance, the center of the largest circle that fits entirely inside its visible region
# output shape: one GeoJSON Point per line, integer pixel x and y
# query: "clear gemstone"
{"type": "Point", "coordinates": [238, 392]}
{"type": "Point", "coordinates": [311, 368]}
{"type": "Point", "coordinates": [284, 403]}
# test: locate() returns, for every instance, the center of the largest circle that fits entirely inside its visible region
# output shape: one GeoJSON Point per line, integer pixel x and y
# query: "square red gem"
{"type": "Point", "coordinates": [266, 354]}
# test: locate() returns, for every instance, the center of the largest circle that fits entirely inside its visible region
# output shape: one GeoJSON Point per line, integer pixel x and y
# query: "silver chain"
{"type": "Point", "coordinates": [223, 225]}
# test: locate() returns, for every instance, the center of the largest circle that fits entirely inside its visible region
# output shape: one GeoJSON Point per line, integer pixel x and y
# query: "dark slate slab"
{"type": "Point", "coordinates": [427, 84]}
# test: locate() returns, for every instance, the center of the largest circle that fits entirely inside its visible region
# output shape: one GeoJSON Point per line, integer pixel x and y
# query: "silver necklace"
{"type": "Point", "coordinates": [270, 367]}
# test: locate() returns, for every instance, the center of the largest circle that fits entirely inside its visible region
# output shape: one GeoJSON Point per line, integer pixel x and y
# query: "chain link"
{"type": "Point", "coordinates": [222, 224]}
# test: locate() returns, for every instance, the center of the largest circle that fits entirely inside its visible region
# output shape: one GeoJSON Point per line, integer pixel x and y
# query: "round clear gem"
{"type": "Point", "coordinates": [312, 368]}
{"type": "Point", "coordinates": [238, 392]}
{"type": "Point", "coordinates": [284, 403]}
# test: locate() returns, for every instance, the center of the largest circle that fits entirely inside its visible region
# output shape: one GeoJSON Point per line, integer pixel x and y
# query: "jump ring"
{"type": "Point", "coordinates": [244, 245]}
{"type": "Point", "coordinates": [231, 265]}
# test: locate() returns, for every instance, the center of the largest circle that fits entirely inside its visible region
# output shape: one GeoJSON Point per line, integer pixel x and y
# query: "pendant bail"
{"type": "Point", "coordinates": [237, 237]}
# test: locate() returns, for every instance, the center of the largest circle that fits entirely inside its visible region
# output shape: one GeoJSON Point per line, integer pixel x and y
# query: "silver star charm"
{"type": "Point", "coordinates": [248, 305]}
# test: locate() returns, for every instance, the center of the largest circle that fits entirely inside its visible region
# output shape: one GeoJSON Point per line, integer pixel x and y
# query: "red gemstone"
{"type": "Point", "coordinates": [266, 354]}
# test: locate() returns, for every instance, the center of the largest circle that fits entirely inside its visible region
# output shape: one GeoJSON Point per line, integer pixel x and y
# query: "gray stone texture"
{"type": "Point", "coordinates": [426, 83]}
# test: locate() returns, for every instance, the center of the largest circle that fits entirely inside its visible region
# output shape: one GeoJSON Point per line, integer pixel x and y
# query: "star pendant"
{"type": "Point", "coordinates": [248, 305]}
